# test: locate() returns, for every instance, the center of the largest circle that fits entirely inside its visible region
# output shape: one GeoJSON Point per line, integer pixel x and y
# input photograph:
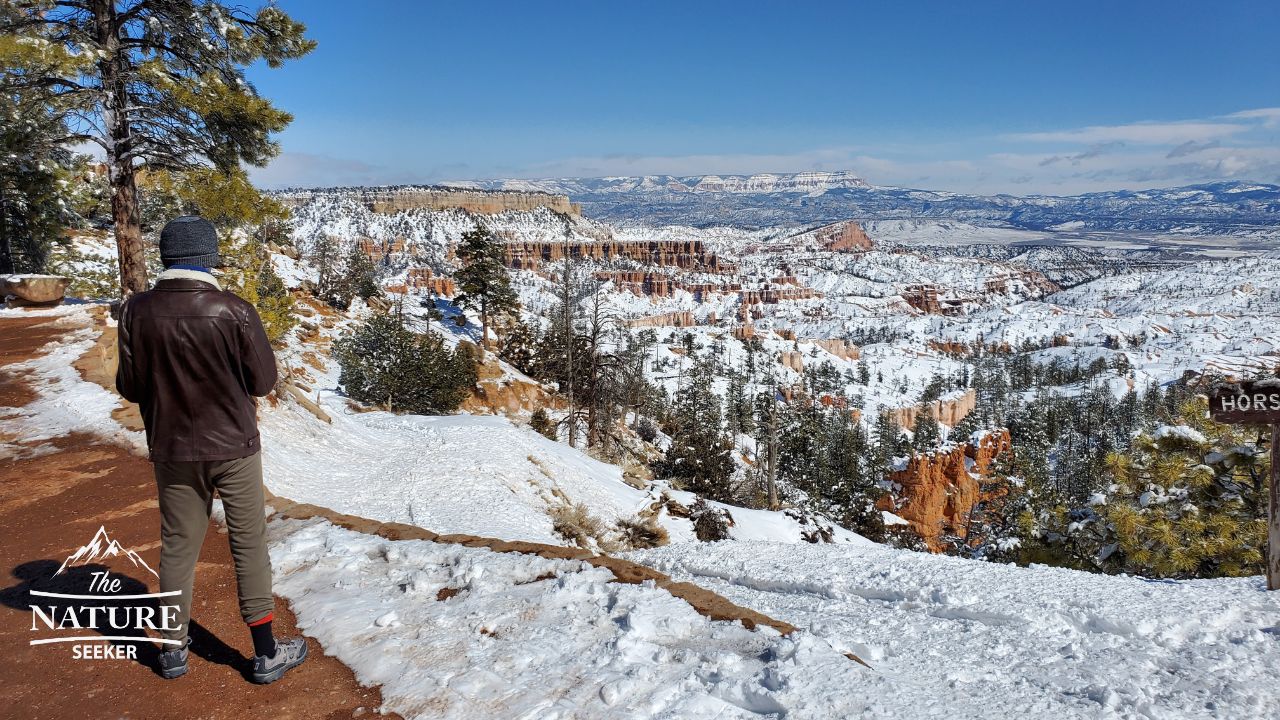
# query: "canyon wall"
{"type": "Point", "coordinates": [683, 254]}
{"type": "Point", "coordinates": [679, 318]}
{"type": "Point", "coordinates": [484, 202]}
{"type": "Point", "coordinates": [845, 236]}
{"type": "Point", "coordinates": [948, 411]}
{"type": "Point", "coordinates": [838, 347]}
{"type": "Point", "coordinates": [651, 284]}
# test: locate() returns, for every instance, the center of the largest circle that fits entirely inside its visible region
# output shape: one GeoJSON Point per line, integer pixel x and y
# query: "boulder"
{"type": "Point", "coordinates": [36, 289]}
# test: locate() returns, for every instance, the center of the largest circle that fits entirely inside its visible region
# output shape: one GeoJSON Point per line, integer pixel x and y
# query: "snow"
{"type": "Point", "coordinates": [472, 474]}
{"type": "Point", "coordinates": [479, 475]}
{"type": "Point", "coordinates": [65, 403]}
{"type": "Point", "coordinates": [954, 638]}
{"type": "Point", "coordinates": [1180, 432]}
{"type": "Point", "coordinates": [528, 637]}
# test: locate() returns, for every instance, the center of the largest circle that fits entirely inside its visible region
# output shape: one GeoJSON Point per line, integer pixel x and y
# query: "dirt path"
{"type": "Point", "coordinates": [54, 502]}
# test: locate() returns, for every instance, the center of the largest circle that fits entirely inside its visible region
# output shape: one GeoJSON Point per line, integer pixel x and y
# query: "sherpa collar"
{"type": "Point", "coordinates": [174, 273]}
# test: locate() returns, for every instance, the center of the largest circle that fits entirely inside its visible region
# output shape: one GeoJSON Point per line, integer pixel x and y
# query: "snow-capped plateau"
{"type": "Point", "coordinates": [1249, 212]}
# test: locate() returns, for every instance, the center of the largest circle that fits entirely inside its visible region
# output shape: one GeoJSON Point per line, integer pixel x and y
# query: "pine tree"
{"type": "Point", "coordinates": [886, 436]}
{"type": "Point", "coordinates": [542, 424]}
{"type": "Point", "coordinates": [362, 276]}
{"type": "Point", "coordinates": [700, 458]}
{"type": "Point", "coordinates": [737, 409]}
{"type": "Point", "coordinates": [520, 347]}
{"type": "Point", "coordinates": [926, 434]}
{"type": "Point", "coordinates": [483, 281]}
{"type": "Point", "coordinates": [37, 169]}
{"type": "Point", "coordinates": [385, 363]}
{"type": "Point", "coordinates": [1186, 508]}
{"type": "Point", "coordinates": [333, 283]}
{"type": "Point", "coordinates": [160, 84]}
{"type": "Point", "coordinates": [864, 372]}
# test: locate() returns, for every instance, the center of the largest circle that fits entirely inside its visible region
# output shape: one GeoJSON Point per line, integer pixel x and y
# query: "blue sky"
{"type": "Point", "coordinates": [1019, 97]}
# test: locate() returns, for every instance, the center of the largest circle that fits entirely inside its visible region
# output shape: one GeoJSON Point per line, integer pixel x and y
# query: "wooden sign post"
{"type": "Point", "coordinates": [1257, 403]}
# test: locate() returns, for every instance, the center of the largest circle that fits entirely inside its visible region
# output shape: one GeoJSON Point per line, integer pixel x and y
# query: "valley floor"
{"type": "Point", "coordinates": [447, 631]}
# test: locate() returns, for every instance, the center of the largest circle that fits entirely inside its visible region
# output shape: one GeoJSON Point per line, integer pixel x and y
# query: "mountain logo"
{"type": "Point", "coordinates": [112, 615]}
{"type": "Point", "coordinates": [102, 547]}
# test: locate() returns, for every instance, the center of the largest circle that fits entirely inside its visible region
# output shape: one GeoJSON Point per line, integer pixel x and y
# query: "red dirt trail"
{"type": "Point", "coordinates": [52, 500]}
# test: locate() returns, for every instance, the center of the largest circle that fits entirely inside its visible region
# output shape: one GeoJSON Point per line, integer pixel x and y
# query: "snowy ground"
{"type": "Point", "coordinates": [526, 637]}
{"type": "Point", "coordinates": [953, 638]}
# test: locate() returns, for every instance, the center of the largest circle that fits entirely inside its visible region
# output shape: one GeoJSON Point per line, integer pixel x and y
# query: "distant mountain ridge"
{"type": "Point", "coordinates": [814, 181]}
{"type": "Point", "coordinates": [768, 199]}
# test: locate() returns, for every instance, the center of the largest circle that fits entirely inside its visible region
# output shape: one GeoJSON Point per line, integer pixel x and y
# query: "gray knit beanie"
{"type": "Point", "coordinates": [189, 240]}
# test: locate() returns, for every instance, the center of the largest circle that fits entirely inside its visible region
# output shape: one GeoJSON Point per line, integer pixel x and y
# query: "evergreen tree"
{"type": "Point", "coordinates": [386, 364]}
{"type": "Point", "coordinates": [333, 283]}
{"type": "Point", "coordinates": [160, 84]}
{"type": "Point", "coordinates": [737, 408]}
{"type": "Point", "coordinates": [541, 424]}
{"type": "Point", "coordinates": [36, 171]}
{"type": "Point", "coordinates": [362, 276]}
{"type": "Point", "coordinates": [700, 458]}
{"type": "Point", "coordinates": [483, 281]}
{"type": "Point", "coordinates": [926, 434]}
{"type": "Point", "coordinates": [1182, 508]}
{"type": "Point", "coordinates": [520, 347]}
{"type": "Point", "coordinates": [886, 437]}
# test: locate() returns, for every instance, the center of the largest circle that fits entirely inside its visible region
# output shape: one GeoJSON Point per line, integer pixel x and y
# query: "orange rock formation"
{"type": "Point", "coordinates": [940, 489]}
{"type": "Point", "coordinates": [949, 411]}
{"type": "Point", "coordinates": [683, 254]}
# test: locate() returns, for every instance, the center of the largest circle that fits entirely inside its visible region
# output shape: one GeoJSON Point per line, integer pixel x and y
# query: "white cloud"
{"type": "Point", "coordinates": [1270, 116]}
{"type": "Point", "coordinates": [1145, 133]}
{"type": "Point", "coordinates": [300, 169]}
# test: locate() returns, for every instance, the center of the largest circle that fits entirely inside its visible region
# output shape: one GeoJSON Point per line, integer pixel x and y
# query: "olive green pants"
{"type": "Point", "coordinates": [186, 498]}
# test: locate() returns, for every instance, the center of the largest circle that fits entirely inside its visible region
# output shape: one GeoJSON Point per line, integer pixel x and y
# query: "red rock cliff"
{"type": "Point", "coordinates": [939, 489]}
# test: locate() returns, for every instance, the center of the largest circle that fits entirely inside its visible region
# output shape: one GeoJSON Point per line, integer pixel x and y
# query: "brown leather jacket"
{"type": "Point", "coordinates": [193, 357]}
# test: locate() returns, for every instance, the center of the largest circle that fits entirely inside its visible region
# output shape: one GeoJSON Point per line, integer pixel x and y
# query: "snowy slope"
{"type": "Point", "coordinates": [953, 638]}
{"type": "Point", "coordinates": [527, 637]}
{"type": "Point", "coordinates": [479, 475]}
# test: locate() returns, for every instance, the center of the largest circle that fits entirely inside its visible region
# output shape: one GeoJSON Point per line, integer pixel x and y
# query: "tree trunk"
{"type": "Point", "coordinates": [1273, 513]}
{"type": "Point", "coordinates": [124, 190]}
{"type": "Point", "coordinates": [6, 247]}
{"type": "Point", "coordinates": [771, 457]}
{"type": "Point", "coordinates": [128, 226]}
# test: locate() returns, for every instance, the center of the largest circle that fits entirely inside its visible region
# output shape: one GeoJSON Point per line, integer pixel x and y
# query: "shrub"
{"type": "Point", "coordinates": [641, 534]}
{"type": "Point", "coordinates": [386, 364]}
{"type": "Point", "coordinates": [646, 429]}
{"type": "Point", "coordinates": [542, 424]}
{"type": "Point", "coordinates": [575, 523]}
{"type": "Point", "coordinates": [710, 523]}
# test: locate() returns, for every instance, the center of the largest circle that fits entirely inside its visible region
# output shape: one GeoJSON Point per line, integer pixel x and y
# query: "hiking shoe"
{"type": "Point", "coordinates": [173, 663]}
{"type": "Point", "coordinates": [289, 654]}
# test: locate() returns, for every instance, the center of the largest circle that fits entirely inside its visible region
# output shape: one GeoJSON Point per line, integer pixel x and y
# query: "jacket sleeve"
{"type": "Point", "coordinates": [126, 372]}
{"type": "Point", "coordinates": [257, 359]}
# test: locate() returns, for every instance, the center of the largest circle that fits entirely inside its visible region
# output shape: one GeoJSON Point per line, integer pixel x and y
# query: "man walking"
{"type": "Point", "coordinates": [193, 357]}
